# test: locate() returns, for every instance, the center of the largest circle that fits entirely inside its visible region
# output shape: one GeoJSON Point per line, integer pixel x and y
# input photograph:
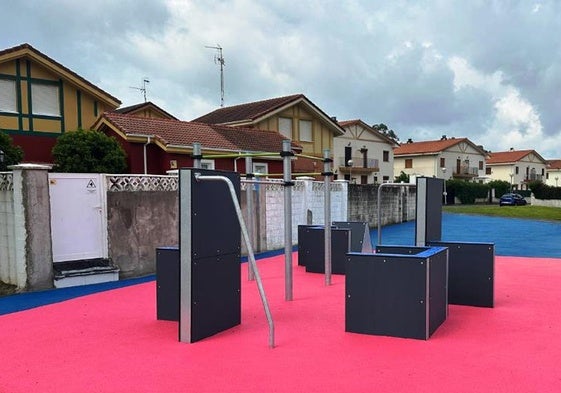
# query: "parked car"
{"type": "Point", "coordinates": [512, 199]}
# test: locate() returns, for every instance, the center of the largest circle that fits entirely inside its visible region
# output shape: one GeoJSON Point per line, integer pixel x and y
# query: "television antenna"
{"type": "Point", "coordinates": [219, 59]}
{"type": "Point", "coordinates": [143, 88]}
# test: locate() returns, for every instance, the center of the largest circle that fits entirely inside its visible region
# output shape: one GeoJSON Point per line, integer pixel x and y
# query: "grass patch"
{"type": "Point", "coordinates": [528, 211]}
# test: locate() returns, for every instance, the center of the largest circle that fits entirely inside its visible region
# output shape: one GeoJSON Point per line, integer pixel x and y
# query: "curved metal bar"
{"type": "Point", "coordinates": [378, 210]}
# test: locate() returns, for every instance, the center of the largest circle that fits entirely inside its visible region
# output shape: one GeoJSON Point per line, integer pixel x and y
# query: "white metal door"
{"type": "Point", "coordinates": [78, 216]}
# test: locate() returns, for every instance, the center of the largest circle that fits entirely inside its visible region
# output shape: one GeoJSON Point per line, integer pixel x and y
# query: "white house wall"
{"type": "Point", "coordinates": [360, 137]}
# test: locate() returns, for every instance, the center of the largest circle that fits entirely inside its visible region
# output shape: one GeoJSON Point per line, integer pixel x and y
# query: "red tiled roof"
{"type": "Point", "coordinates": [554, 164]}
{"type": "Point", "coordinates": [504, 157]}
{"type": "Point", "coordinates": [427, 147]}
{"type": "Point", "coordinates": [24, 47]}
{"type": "Point", "coordinates": [246, 112]}
{"type": "Point", "coordinates": [184, 133]}
{"type": "Point", "coordinates": [149, 104]}
{"type": "Point", "coordinates": [345, 123]}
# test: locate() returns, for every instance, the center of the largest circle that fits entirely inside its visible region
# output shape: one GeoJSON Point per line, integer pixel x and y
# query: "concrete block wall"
{"type": "Point", "coordinates": [7, 230]}
{"type": "Point", "coordinates": [397, 205]}
{"type": "Point", "coordinates": [25, 236]}
{"type": "Point", "coordinates": [307, 195]}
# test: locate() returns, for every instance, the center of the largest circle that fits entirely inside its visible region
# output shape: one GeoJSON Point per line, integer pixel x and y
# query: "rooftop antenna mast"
{"type": "Point", "coordinates": [219, 59]}
{"type": "Point", "coordinates": [143, 88]}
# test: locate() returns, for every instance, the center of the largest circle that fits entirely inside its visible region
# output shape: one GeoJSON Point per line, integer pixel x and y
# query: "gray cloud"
{"type": "Point", "coordinates": [379, 61]}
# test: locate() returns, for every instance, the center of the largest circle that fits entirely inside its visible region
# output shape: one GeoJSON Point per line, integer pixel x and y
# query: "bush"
{"type": "Point", "coordinates": [543, 191]}
{"type": "Point", "coordinates": [12, 154]}
{"type": "Point", "coordinates": [88, 152]}
{"type": "Point", "coordinates": [501, 187]}
{"type": "Point", "coordinates": [467, 192]}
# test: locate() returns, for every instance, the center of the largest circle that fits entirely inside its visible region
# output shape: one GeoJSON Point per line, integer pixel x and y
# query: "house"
{"type": "Point", "coordinates": [295, 117]}
{"type": "Point", "coordinates": [518, 167]}
{"type": "Point", "coordinates": [553, 173]}
{"type": "Point", "coordinates": [447, 158]}
{"type": "Point", "coordinates": [156, 145]}
{"type": "Point", "coordinates": [40, 99]}
{"type": "Point", "coordinates": [146, 109]}
{"type": "Point", "coordinates": [363, 153]}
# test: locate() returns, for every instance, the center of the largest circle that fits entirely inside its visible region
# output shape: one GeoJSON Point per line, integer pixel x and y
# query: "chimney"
{"type": "Point", "coordinates": [443, 138]}
{"type": "Point", "coordinates": [409, 140]}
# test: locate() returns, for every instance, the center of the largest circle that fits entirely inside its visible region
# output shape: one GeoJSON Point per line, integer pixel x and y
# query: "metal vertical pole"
{"type": "Point", "coordinates": [327, 213]}
{"type": "Point", "coordinates": [286, 155]}
{"type": "Point", "coordinates": [197, 155]}
{"type": "Point", "coordinates": [250, 213]}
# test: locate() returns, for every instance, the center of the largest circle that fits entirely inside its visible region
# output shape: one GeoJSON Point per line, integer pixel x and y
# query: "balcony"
{"type": "Point", "coordinates": [466, 172]}
{"type": "Point", "coordinates": [359, 165]}
{"type": "Point", "coordinates": [533, 177]}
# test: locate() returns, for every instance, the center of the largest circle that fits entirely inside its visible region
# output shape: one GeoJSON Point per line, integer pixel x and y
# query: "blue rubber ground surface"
{"type": "Point", "coordinates": [512, 236]}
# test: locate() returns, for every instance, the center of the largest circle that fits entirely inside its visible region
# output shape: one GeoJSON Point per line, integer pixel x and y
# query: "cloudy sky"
{"type": "Point", "coordinates": [486, 70]}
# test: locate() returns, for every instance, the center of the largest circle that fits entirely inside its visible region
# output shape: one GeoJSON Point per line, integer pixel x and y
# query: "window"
{"type": "Point", "coordinates": [285, 127]}
{"type": "Point", "coordinates": [488, 170]}
{"type": "Point", "coordinates": [207, 164]}
{"type": "Point", "coordinates": [44, 99]}
{"type": "Point", "coordinates": [408, 163]}
{"type": "Point", "coordinates": [442, 162]}
{"type": "Point", "coordinates": [385, 179]}
{"type": "Point", "coordinates": [516, 168]}
{"type": "Point", "coordinates": [305, 130]}
{"type": "Point", "coordinates": [386, 156]}
{"type": "Point", "coordinates": [8, 96]}
{"type": "Point", "coordinates": [480, 165]}
{"type": "Point", "coordinates": [260, 168]}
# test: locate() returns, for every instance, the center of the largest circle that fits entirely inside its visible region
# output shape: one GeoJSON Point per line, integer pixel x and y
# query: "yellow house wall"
{"type": "Point", "coordinates": [322, 136]}
{"type": "Point", "coordinates": [74, 114]}
{"type": "Point", "coordinates": [422, 165]}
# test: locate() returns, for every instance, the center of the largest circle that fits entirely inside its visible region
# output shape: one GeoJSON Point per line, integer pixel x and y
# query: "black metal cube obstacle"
{"type": "Point", "coordinates": [400, 292]}
{"type": "Point", "coordinates": [345, 236]}
{"type": "Point", "coordinates": [471, 265]}
{"type": "Point", "coordinates": [167, 283]}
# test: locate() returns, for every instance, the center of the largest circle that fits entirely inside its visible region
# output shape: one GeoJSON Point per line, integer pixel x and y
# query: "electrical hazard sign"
{"type": "Point", "coordinates": [91, 185]}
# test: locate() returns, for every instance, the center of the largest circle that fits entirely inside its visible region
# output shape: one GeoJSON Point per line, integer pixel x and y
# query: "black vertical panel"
{"type": "Point", "coordinates": [303, 244]}
{"type": "Point", "coordinates": [312, 241]}
{"type": "Point", "coordinates": [428, 213]}
{"type": "Point", "coordinates": [471, 273]}
{"type": "Point", "coordinates": [359, 234]}
{"type": "Point", "coordinates": [215, 255]}
{"type": "Point", "coordinates": [215, 295]}
{"type": "Point", "coordinates": [438, 290]}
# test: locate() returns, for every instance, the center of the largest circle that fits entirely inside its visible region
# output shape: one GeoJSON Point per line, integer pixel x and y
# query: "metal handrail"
{"type": "Point", "coordinates": [378, 211]}
{"type": "Point", "coordinates": [251, 256]}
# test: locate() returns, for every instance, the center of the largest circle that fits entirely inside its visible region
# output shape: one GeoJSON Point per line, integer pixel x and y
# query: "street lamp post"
{"type": "Point", "coordinates": [556, 179]}
{"type": "Point", "coordinates": [350, 164]}
{"type": "Point", "coordinates": [511, 176]}
{"type": "Point", "coordinates": [444, 194]}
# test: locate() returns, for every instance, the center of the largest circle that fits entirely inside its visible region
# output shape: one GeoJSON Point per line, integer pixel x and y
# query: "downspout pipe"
{"type": "Point", "coordinates": [145, 157]}
{"type": "Point", "coordinates": [148, 141]}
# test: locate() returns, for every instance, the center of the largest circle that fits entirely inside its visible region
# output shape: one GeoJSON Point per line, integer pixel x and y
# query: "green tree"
{"type": "Point", "coordinates": [11, 154]}
{"type": "Point", "coordinates": [88, 152]}
{"type": "Point", "coordinates": [386, 131]}
{"type": "Point", "coordinates": [403, 177]}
